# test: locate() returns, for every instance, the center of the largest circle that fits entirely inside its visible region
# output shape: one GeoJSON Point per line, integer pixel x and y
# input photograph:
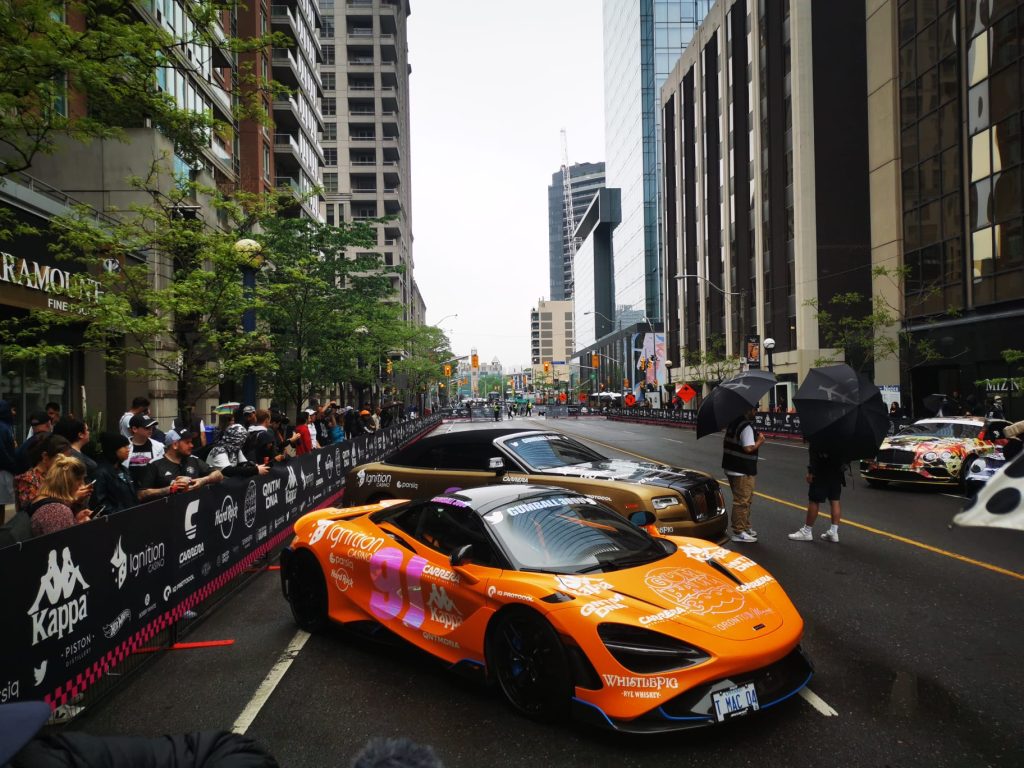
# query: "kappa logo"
{"type": "Point", "coordinates": [119, 562]}
{"type": "Point", "coordinates": [442, 609]}
{"type": "Point", "coordinates": [111, 629]}
{"type": "Point", "coordinates": [291, 490]}
{"type": "Point", "coordinates": [226, 516]}
{"type": "Point", "coordinates": [39, 673]}
{"type": "Point", "coordinates": [190, 513]}
{"type": "Point", "coordinates": [63, 609]}
{"type": "Point", "coordinates": [249, 506]}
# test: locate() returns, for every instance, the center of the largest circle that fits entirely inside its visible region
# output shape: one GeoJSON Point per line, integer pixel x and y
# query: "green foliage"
{"type": "Point", "coordinates": [323, 307]}
{"type": "Point", "coordinates": [108, 56]}
{"type": "Point", "coordinates": [711, 364]}
{"type": "Point", "coordinates": [425, 349]}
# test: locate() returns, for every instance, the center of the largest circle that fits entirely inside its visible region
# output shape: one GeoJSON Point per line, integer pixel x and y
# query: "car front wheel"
{"type": "Point", "coordinates": [529, 662]}
{"type": "Point", "coordinates": [307, 591]}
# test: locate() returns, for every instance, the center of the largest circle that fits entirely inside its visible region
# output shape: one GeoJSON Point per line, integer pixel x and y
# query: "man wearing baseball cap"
{"type": "Point", "coordinates": [177, 470]}
{"type": "Point", "coordinates": [144, 449]}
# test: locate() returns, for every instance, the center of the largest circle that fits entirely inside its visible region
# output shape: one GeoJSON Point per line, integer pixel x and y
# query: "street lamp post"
{"type": "Point", "coordinates": [741, 294]}
{"type": "Point", "coordinates": [769, 347]}
{"type": "Point", "coordinates": [252, 252]}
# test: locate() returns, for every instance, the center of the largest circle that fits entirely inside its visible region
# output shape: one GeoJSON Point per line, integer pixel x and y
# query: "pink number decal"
{"type": "Point", "coordinates": [386, 575]}
{"type": "Point", "coordinates": [413, 571]}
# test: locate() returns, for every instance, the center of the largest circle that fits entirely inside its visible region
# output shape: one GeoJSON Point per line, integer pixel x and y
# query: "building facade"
{"type": "Point", "coordinates": [763, 113]}
{"type": "Point", "coordinates": [366, 137]}
{"type": "Point", "coordinates": [945, 109]}
{"type": "Point", "coordinates": [585, 180]}
{"type": "Point", "coordinates": [642, 42]}
{"type": "Point", "coordinates": [551, 342]}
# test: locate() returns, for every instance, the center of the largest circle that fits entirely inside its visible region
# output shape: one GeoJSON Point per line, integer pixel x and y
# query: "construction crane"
{"type": "Point", "coordinates": [570, 216]}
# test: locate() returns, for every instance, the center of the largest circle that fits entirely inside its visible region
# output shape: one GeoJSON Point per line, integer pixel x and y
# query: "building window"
{"type": "Point", "coordinates": [330, 131]}
{"type": "Point", "coordinates": [327, 27]}
{"type": "Point", "coordinates": [330, 214]}
{"type": "Point", "coordinates": [331, 183]}
{"type": "Point", "coordinates": [330, 156]}
{"type": "Point", "coordinates": [266, 162]}
{"type": "Point", "coordinates": [329, 106]}
{"type": "Point", "coordinates": [329, 80]}
{"type": "Point", "coordinates": [328, 51]}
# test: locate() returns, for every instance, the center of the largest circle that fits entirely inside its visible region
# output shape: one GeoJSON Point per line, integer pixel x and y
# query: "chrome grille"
{"type": "Point", "coordinates": [896, 456]}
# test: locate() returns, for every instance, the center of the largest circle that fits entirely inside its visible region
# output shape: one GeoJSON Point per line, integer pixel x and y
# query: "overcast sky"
{"type": "Point", "coordinates": [492, 85]}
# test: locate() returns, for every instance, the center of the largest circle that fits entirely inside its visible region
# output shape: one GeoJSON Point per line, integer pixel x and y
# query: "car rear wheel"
{"type": "Point", "coordinates": [530, 664]}
{"type": "Point", "coordinates": [307, 591]}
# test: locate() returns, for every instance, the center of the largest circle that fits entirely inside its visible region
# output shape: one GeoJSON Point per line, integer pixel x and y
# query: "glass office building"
{"type": "Point", "coordinates": [642, 42]}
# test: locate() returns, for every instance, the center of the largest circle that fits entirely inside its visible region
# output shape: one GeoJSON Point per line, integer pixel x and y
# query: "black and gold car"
{"type": "Point", "coordinates": [684, 501]}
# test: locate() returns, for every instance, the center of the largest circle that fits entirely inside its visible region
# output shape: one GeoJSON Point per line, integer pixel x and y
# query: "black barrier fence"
{"type": "Point", "coordinates": [778, 424]}
{"type": "Point", "coordinates": [78, 603]}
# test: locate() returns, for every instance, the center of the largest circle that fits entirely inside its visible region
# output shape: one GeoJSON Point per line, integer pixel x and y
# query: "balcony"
{"type": "Point", "coordinates": [284, 62]}
{"type": "Point", "coordinates": [285, 142]}
{"type": "Point", "coordinates": [289, 184]}
{"type": "Point", "coordinates": [361, 61]}
{"type": "Point", "coordinates": [286, 111]}
{"type": "Point", "coordinates": [362, 138]}
{"type": "Point", "coordinates": [282, 18]}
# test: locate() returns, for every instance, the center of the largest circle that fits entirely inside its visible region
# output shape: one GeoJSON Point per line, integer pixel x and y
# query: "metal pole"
{"type": "Point", "coordinates": [249, 326]}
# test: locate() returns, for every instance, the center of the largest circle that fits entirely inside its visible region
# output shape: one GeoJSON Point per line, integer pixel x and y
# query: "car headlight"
{"type": "Point", "coordinates": [661, 502]}
{"type": "Point", "coordinates": [947, 455]}
{"type": "Point", "coordinates": [978, 465]}
{"type": "Point", "coordinates": [931, 456]}
{"type": "Point", "coordinates": [644, 651]}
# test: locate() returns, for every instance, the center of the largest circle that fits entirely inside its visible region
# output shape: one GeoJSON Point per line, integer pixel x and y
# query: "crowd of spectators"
{"type": "Point", "coordinates": [59, 475]}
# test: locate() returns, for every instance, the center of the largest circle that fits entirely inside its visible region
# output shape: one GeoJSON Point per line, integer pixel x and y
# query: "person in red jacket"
{"type": "Point", "coordinates": [301, 439]}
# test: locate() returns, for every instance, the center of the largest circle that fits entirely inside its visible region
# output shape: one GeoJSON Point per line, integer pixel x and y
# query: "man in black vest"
{"type": "Point", "coordinates": [739, 460]}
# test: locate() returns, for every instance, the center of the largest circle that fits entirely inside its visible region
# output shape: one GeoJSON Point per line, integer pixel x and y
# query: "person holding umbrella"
{"type": "Point", "coordinates": [825, 481]}
{"type": "Point", "coordinates": [739, 460]}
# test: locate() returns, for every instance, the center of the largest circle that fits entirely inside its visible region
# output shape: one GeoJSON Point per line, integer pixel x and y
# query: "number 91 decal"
{"type": "Point", "coordinates": [387, 600]}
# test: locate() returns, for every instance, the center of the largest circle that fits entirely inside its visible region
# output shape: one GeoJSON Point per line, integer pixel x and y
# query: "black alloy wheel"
{"type": "Point", "coordinates": [307, 591]}
{"type": "Point", "coordinates": [530, 664]}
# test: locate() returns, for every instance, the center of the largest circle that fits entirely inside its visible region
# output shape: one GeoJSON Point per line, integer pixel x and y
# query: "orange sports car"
{"type": "Point", "coordinates": [568, 606]}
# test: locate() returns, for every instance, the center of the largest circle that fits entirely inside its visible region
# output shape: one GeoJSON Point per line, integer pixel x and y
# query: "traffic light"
{"type": "Point", "coordinates": [595, 361]}
{"type": "Point", "coordinates": [625, 383]}
{"type": "Point", "coordinates": [390, 367]}
{"type": "Point", "coordinates": [547, 367]}
{"type": "Point", "coordinates": [476, 361]}
{"type": "Point", "coordinates": [447, 370]}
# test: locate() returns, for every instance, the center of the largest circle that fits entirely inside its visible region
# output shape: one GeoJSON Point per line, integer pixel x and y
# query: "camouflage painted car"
{"type": "Point", "coordinates": [685, 502]}
{"type": "Point", "coordinates": [936, 451]}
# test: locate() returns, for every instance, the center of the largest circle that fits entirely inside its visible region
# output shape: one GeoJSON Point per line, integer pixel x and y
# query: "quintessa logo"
{"type": "Point", "coordinates": [62, 610]}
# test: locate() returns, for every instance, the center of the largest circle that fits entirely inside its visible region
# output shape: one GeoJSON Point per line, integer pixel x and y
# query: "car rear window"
{"type": "Point", "coordinates": [547, 451]}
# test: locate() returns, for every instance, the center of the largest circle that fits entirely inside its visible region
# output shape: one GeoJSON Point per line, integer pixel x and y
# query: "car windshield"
{"type": "Point", "coordinates": [570, 534]}
{"type": "Point", "coordinates": [941, 429]}
{"type": "Point", "coordinates": [547, 451]}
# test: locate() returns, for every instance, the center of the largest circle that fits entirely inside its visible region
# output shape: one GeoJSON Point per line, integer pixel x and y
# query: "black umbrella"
{"type": "Point", "coordinates": [841, 412]}
{"type": "Point", "coordinates": [732, 398]}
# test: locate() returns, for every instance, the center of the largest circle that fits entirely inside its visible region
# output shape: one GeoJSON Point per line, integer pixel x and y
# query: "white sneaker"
{"type": "Point", "coordinates": [752, 532]}
{"type": "Point", "coordinates": [804, 534]}
{"type": "Point", "coordinates": [831, 535]}
{"type": "Point", "coordinates": [743, 536]}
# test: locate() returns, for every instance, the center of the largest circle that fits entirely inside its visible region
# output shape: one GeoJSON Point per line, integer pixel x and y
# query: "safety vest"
{"type": "Point", "coordinates": [734, 458]}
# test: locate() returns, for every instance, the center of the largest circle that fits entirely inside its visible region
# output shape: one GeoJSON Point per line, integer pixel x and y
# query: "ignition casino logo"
{"type": "Point", "coordinates": [59, 606]}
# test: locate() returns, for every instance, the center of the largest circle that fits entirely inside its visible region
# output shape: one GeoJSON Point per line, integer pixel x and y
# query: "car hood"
{"type": "Point", "coordinates": [684, 591]}
{"type": "Point", "coordinates": [642, 473]}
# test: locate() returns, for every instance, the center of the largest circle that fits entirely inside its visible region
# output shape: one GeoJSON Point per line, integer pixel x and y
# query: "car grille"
{"type": "Point", "coordinates": [703, 502]}
{"type": "Point", "coordinates": [896, 456]}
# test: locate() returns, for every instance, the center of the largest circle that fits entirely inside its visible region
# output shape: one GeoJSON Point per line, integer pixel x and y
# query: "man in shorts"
{"type": "Point", "coordinates": [825, 481]}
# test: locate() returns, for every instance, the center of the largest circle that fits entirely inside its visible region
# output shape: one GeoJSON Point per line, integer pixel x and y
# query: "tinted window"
{"type": "Point", "coordinates": [443, 528]}
{"type": "Point", "coordinates": [942, 429]}
{"type": "Point", "coordinates": [447, 455]}
{"type": "Point", "coordinates": [547, 451]}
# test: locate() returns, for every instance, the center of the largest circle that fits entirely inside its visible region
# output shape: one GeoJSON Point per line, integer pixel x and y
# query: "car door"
{"type": "Point", "coordinates": [418, 595]}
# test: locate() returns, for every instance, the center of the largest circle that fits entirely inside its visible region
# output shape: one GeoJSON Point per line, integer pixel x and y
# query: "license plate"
{"type": "Point", "coordinates": [735, 702]}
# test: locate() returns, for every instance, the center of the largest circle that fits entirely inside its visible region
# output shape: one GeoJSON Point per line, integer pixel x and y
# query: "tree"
{"type": "Point", "coordinates": [323, 306]}
{"type": "Point", "coordinates": [426, 347]}
{"type": "Point", "coordinates": [55, 56]}
{"type": "Point", "coordinates": [710, 365]}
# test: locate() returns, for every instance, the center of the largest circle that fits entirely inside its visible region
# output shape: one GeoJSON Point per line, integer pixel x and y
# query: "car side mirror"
{"type": "Point", "coordinates": [461, 555]}
{"type": "Point", "coordinates": [643, 518]}
{"type": "Point", "coordinates": [496, 464]}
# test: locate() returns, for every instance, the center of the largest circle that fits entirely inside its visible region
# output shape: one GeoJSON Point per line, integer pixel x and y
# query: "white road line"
{"type": "Point", "coordinates": [674, 441]}
{"type": "Point", "coordinates": [817, 702]}
{"type": "Point", "coordinates": [270, 682]}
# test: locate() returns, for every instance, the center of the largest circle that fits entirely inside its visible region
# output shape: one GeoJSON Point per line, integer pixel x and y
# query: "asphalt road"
{"type": "Point", "coordinates": [915, 630]}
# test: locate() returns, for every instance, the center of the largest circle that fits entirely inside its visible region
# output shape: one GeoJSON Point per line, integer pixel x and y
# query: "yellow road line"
{"type": "Point", "coordinates": [861, 526]}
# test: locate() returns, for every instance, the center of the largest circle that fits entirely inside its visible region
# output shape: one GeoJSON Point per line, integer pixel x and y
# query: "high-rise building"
{"type": "Point", "coordinates": [365, 75]}
{"type": "Point", "coordinates": [551, 340]}
{"type": "Point", "coordinates": [642, 42]}
{"type": "Point", "coordinates": [766, 186]}
{"type": "Point", "coordinates": [585, 180]}
{"type": "Point", "coordinates": [944, 103]}
{"type": "Point", "coordinates": [285, 155]}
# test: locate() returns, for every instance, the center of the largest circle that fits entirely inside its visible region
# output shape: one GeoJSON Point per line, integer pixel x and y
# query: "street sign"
{"type": "Point", "coordinates": [629, 399]}
{"type": "Point", "coordinates": [686, 393]}
{"type": "Point", "coordinates": [583, 397]}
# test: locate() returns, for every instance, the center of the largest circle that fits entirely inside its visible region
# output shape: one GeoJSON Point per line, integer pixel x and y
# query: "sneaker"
{"type": "Point", "coordinates": [65, 713]}
{"type": "Point", "coordinates": [190, 614]}
{"type": "Point", "coordinates": [743, 536]}
{"type": "Point", "coordinates": [804, 534]}
{"type": "Point", "coordinates": [752, 532]}
{"type": "Point", "coordinates": [831, 535]}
